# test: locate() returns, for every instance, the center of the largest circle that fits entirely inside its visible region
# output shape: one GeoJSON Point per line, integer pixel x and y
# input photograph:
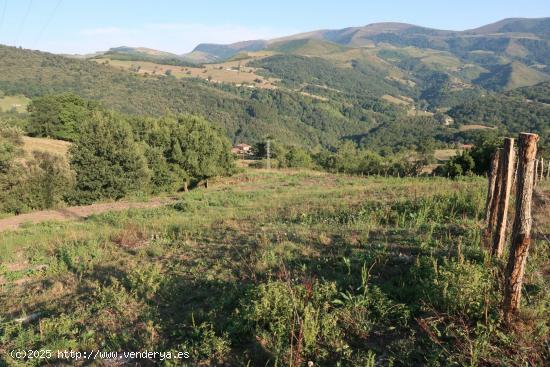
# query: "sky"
{"type": "Point", "coordinates": [85, 26]}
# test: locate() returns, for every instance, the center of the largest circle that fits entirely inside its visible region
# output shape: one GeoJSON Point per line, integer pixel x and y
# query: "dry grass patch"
{"type": "Point", "coordinates": [19, 103]}
{"type": "Point", "coordinates": [446, 154]}
{"type": "Point", "coordinates": [53, 146]}
{"type": "Point", "coordinates": [235, 72]}
{"type": "Point", "coordinates": [474, 127]}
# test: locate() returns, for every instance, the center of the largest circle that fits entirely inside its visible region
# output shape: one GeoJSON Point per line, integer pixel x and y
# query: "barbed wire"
{"type": "Point", "coordinates": [3, 14]}
{"type": "Point", "coordinates": [47, 23]}
{"type": "Point", "coordinates": [23, 21]}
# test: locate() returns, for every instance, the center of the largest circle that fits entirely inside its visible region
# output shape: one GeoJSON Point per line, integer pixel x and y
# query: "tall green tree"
{"type": "Point", "coordinates": [10, 146]}
{"type": "Point", "coordinates": [482, 151]}
{"type": "Point", "coordinates": [201, 150]}
{"type": "Point", "coordinates": [10, 169]}
{"type": "Point", "coordinates": [59, 116]}
{"type": "Point", "coordinates": [346, 158]}
{"type": "Point", "coordinates": [298, 157]}
{"type": "Point", "coordinates": [108, 162]}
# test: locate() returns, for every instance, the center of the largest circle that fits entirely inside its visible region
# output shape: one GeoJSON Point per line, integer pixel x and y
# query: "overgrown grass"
{"type": "Point", "coordinates": [278, 269]}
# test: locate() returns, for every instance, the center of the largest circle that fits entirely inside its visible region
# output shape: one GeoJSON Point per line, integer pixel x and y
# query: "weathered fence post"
{"type": "Point", "coordinates": [491, 178]}
{"type": "Point", "coordinates": [548, 171]}
{"type": "Point", "coordinates": [507, 170]}
{"type": "Point", "coordinates": [521, 231]}
{"type": "Point", "coordinates": [541, 169]}
{"type": "Point", "coordinates": [492, 215]}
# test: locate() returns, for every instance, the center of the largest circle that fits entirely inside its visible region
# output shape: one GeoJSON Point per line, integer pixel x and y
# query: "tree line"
{"type": "Point", "coordinates": [347, 158]}
{"type": "Point", "coordinates": [111, 156]}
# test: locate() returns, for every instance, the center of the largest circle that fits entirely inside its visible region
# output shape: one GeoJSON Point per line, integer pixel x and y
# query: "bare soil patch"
{"type": "Point", "coordinates": [77, 212]}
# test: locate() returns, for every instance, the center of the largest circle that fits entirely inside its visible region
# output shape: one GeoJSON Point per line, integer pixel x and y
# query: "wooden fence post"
{"type": "Point", "coordinates": [541, 169]}
{"type": "Point", "coordinates": [492, 215]}
{"type": "Point", "coordinates": [491, 178]}
{"type": "Point", "coordinates": [507, 165]}
{"type": "Point", "coordinates": [521, 231]}
{"type": "Point", "coordinates": [548, 171]}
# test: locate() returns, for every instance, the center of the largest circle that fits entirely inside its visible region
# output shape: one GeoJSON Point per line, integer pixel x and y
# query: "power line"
{"type": "Point", "coordinates": [3, 14]}
{"type": "Point", "coordinates": [48, 20]}
{"type": "Point", "coordinates": [23, 22]}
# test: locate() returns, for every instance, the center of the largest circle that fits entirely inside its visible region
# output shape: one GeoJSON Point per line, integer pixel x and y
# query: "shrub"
{"type": "Point", "coordinates": [456, 288]}
{"type": "Point", "coordinates": [49, 180]}
{"type": "Point", "coordinates": [461, 164]}
{"type": "Point", "coordinates": [298, 157]}
{"type": "Point", "coordinates": [37, 183]}
{"type": "Point", "coordinates": [302, 315]}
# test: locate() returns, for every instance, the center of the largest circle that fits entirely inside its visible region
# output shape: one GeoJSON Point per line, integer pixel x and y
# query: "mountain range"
{"type": "Point", "coordinates": [318, 87]}
{"type": "Point", "coordinates": [500, 56]}
{"type": "Point", "coordinates": [514, 37]}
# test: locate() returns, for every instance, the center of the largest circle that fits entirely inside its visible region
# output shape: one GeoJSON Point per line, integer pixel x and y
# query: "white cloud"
{"type": "Point", "coordinates": [173, 37]}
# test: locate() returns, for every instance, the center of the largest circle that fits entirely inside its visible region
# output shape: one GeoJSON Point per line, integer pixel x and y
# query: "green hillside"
{"type": "Point", "coordinates": [297, 70]}
{"type": "Point", "coordinates": [538, 27]}
{"type": "Point", "coordinates": [144, 54]}
{"type": "Point", "coordinates": [539, 92]}
{"type": "Point", "coordinates": [245, 114]}
{"type": "Point", "coordinates": [501, 56]}
{"type": "Point", "coordinates": [307, 47]}
{"type": "Point", "coordinates": [511, 114]}
{"type": "Point", "coordinates": [529, 34]}
{"type": "Point", "coordinates": [322, 87]}
{"type": "Point", "coordinates": [510, 76]}
{"type": "Point", "coordinates": [438, 69]}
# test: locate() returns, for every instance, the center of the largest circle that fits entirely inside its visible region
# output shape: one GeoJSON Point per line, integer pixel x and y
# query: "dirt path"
{"type": "Point", "coordinates": [78, 212]}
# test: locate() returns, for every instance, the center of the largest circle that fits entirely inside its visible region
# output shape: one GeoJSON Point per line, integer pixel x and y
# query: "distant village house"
{"type": "Point", "coordinates": [242, 149]}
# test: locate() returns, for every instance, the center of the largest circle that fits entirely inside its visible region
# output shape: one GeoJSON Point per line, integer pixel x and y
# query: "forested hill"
{"type": "Point", "coordinates": [246, 114]}
{"type": "Point", "coordinates": [539, 92]}
{"type": "Point", "coordinates": [373, 96]}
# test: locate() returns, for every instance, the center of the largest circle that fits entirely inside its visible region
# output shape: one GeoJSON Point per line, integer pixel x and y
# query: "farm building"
{"type": "Point", "coordinates": [242, 149]}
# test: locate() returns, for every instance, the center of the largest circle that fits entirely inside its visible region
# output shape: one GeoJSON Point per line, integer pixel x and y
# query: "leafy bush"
{"type": "Point", "coordinates": [49, 180]}
{"type": "Point", "coordinates": [462, 164]}
{"type": "Point", "coordinates": [40, 182]}
{"type": "Point", "coordinates": [459, 288]}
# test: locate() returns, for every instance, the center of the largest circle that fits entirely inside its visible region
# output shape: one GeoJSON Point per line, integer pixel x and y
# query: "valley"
{"type": "Point", "coordinates": [374, 195]}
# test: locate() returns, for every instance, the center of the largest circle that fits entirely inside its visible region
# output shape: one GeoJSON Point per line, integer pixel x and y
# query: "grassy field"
{"type": "Point", "coordinates": [53, 146]}
{"type": "Point", "coordinates": [443, 155]}
{"type": "Point", "coordinates": [277, 269]}
{"type": "Point", "coordinates": [7, 103]}
{"type": "Point", "coordinates": [474, 127]}
{"type": "Point", "coordinates": [235, 72]}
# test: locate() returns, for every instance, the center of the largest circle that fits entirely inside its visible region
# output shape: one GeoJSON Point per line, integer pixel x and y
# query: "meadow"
{"type": "Point", "coordinates": [280, 268]}
{"type": "Point", "coordinates": [18, 103]}
{"type": "Point", "coordinates": [53, 146]}
{"type": "Point", "coordinates": [234, 72]}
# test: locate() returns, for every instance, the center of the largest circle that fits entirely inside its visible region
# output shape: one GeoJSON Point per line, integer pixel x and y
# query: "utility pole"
{"type": "Point", "coordinates": [268, 154]}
